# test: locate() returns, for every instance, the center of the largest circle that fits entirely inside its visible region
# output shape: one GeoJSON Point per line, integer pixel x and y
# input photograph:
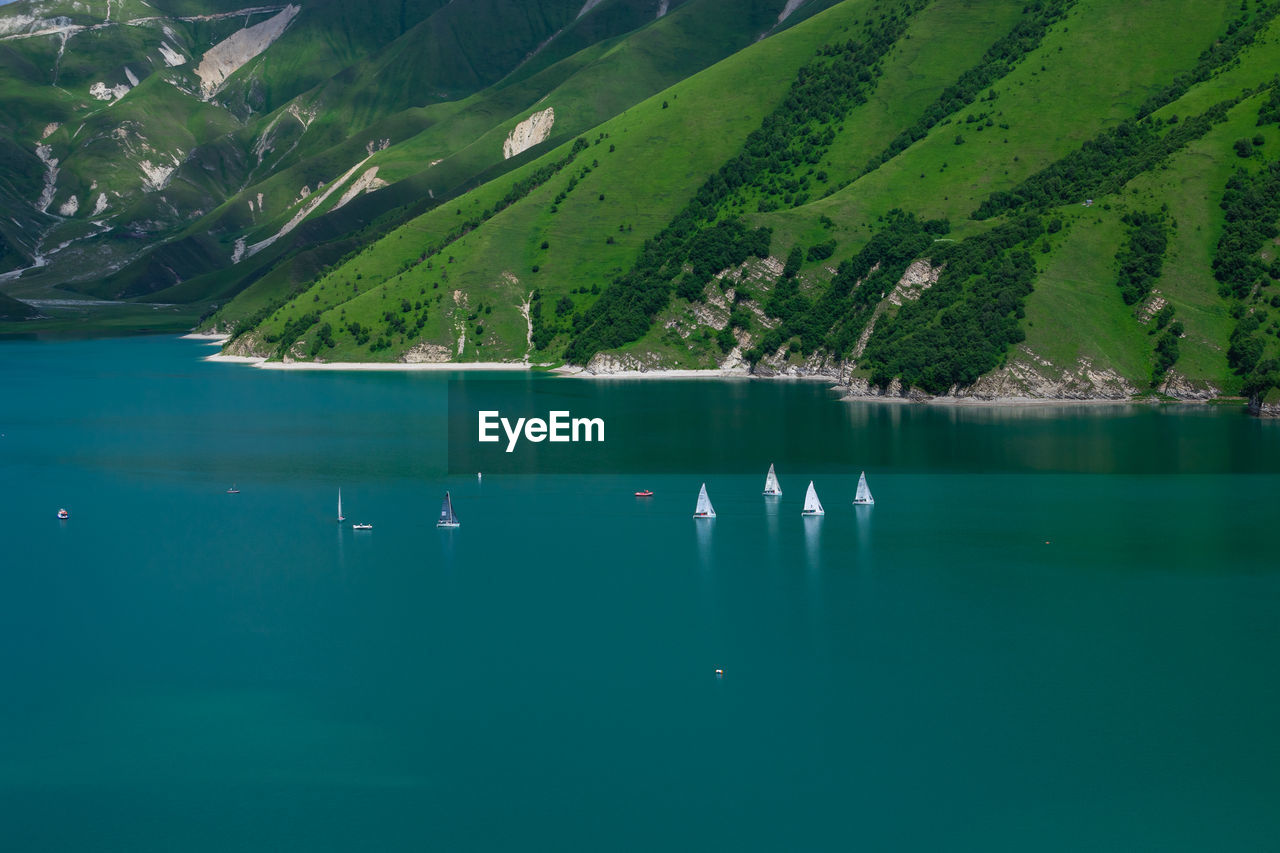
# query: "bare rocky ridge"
{"type": "Point", "coordinates": [425, 353]}
{"type": "Point", "coordinates": [816, 366]}
{"type": "Point", "coordinates": [917, 278]}
{"type": "Point", "coordinates": [1179, 386]}
{"type": "Point", "coordinates": [311, 205]}
{"type": "Point", "coordinates": [246, 346]}
{"type": "Point", "coordinates": [227, 56]}
{"type": "Point", "coordinates": [172, 58]}
{"type": "Point", "coordinates": [103, 92]}
{"type": "Point", "coordinates": [366, 183]}
{"type": "Point", "coordinates": [791, 6]}
{"type": "Point", "coordinates": [588, 6]}
{"type": "Point", "coordinates": [528, 133]}
{"type": "Point", "coordinates": [1030, 376]}
{"type": "Point", "coordinates": [604, 364]}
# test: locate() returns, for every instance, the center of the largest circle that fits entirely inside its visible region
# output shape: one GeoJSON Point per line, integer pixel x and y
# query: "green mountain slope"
{"type": "Point", "coordinates": [164, 119]}
{"type": "Point", "coordinates": [659, 155]}
{"type": "Point", "coordinates": [966, 197]}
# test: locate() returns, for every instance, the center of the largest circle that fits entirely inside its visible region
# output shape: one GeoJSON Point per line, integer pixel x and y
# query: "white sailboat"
{"type": "Point", "coordinates": [447, 518]}
{"type": "Point", "coordinates": [341, 517]}
{"type": "Point", "coordinates": [863, 495]}
{"type": "Point", "coordinates": [771, 487]}
{"type": "Point", "coordinates": [704, 509]}
{"type": "Point", "coordinates": [812, 506]}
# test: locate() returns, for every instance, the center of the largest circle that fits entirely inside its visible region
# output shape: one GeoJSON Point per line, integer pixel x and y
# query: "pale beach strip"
{"type": "Point", "coordinates": [439, 366]}
{"type": "Point", "coordinates": [660, 373]}
{"type": "Point", "coordinates": [1031, 401]}
{"type": "Point", "coordinates": [732, 373]}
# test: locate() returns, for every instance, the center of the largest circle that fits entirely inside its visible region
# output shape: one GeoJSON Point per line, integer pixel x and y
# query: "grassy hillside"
{"type": "Point", "coordinates": [956, 196]}
{"type": "Point", "coordinates": [659, 154]}
{"type": "Point", "coordinates": [113, 94]}
{"type": "Point", "coordinates": [462, 143]}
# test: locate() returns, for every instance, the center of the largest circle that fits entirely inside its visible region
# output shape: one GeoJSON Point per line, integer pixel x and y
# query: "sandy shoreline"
{"type": "Point", "coordinates": [263, 364]}
{"type": "Point", "coordinates": [958, 402]}
{"type": "Point", "coordinates": [581, 373]}
{"type": "Point", "coordinates": [1022, 401]}
{"type": "Point", "coordinates": [998, 402]}
{"type": "Point", "coordinates": [676, 373]}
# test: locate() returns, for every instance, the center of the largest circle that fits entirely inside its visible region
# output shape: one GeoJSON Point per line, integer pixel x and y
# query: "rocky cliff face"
{"type": "Point", "coordinates": [227, 56]}
{"type": "Point", "coordinates": [528, 133]}
{"type": "Point", "coordinates": [1030, 376]}
{"type": "Point", "coordinates": [1268, 408]}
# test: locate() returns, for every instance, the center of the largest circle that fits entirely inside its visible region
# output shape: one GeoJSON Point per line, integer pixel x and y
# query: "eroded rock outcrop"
{"type": "Point", "coordinates": [1179, 386]}
{"type": "Point", "coordinates": [607, 363]}
{"type": "Point", "coordinates": [917, 278]}
{"type": "Point", "coordinates": [1028, 376]}
{"type": "Point", "coordinates": [425, 353]}
{"type": "Point", "coordinates": [366, 183]}
{"type": "Point", "coordinates": [529, 133]}
{"type": "Point", "coordinates": [1268, 407]}
{"type": "Point", "coordinates": [225, 58]}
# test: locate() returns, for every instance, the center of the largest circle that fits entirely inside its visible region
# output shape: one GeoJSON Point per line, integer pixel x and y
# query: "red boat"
{"type": "Point", "coordinates": [644, 493]}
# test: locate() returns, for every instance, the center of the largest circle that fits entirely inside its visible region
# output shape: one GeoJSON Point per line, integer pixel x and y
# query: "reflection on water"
{"type": "Point", "coordinates": [812, 541]}
{"type": "Point", "coordinates": [702, 528]}
{"type": "Point", "coordinates": [771, 511]}
{"type": "Point", "coordinates": [803, 426]}
{"type": "Point", "coordinates": [862, 522]}
{"type": "Point", "coordinates": [447, 546]}
{"type": "Point", "coordinates": [342, 559]}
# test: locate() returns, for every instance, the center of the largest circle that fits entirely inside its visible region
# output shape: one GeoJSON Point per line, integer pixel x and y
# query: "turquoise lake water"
{"type": "Point", "coordinates": [1057, 629]}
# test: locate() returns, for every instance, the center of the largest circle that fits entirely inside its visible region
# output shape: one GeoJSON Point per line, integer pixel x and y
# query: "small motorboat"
{"type": "Point", "coordinates": [233, 491]}
{"type": "Point", "coordinates": [63, 514]}
{"type": "Point", "coordinates": [362, 527]}
{"type": "Point", "coordinates": [644, 493]}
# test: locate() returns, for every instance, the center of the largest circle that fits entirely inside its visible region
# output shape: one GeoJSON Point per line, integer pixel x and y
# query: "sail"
{"type": "Point", "coordinates": [340, 505]}
{"type": "Point", "coordinates": [704, 508]}
{"type": "Point", "coordinates": [863, 495]}
{"type": "Point", "coordinates": [812, 506]}
{"type": "Point", "coordinates": [446, 512]}
{"type": "Point", "coordinates": [771, 486]}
